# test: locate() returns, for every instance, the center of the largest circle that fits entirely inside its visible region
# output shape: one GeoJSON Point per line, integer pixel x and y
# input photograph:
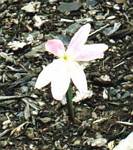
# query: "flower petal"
{"type": "Point", "coordinates": [79, 38]}
{"type": "Point", "coordinates": [55, 47]}
{"type": "Point", "coordinates": [78, 76]}
{"type": "Point", "coordinates": [60, 81]}
{"type": "Point", "coordinates": [91, 52]}
{"type": "Point", "coordinates": [44, 77]}
{"type": "Point", "coordinates": [80, 96]}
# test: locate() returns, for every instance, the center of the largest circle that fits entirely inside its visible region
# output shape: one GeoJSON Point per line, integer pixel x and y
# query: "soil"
{"type": "Point", "coordinates": [31, 119]}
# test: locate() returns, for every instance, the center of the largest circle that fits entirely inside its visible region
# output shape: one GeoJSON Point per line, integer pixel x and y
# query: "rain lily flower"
{"type": "Point", "coordinates": [66, 67]}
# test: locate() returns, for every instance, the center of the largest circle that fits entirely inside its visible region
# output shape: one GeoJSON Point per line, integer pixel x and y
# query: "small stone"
{"type": "Point", "coordinates": [105, 94]}
{"type": "Point", "coordinates": [94, 115]}
{"type": "Point", "coordinates": [128, 77]}
{"type": "Point", "coordinates": [24, 89]}
{"type": "Point", "coordinates": [38, 21]}
{"type": "Point", "coordinates": [98, 135]}
{"type": "Point", "coordinates": [6, 57]}
{"type": "Point", "coordinates": [109, 3]}
{"type": "Point", "coordinates": [132, 113]}
{"type": "Point", "coordinates": [101, 107]}
{"type": "Point", "coordinates": [4, 143]}
{"type": "Point", "coordinates": [30, 133]}
{"type": "Point", "coordinates": [45, 119]}
{"type": "Point", "coordinates": [132, 69]}
{"type": "Point", "coordinates": [93, 12]}
{"type": "Point", "coordinates": [100, 17]}
{"type": "Point", "coordinates": [6, 124]}
{"type": "Point", "coordinates": [127, 85]}
{"type": "Point", "coordinates": [41, 103]}
{"type": "Point", "coordinates": [111, 17]}
{"type": "Point", "coordinates": [112, 41]}
{"type": "Point", "coordinates": [31, 7]}
{"type": "Point", "coordinates": [89, 141]}
{"type": "Point", "coordinates": [120, 1]}
{"type": "Point", "coordinates": [111, 145]}
{"type": "Point", "coordinates": [99, 142]}
{"type": "Point", "coordinates": [52, 1]}
{"type": "Point", "coordinates": [77, 142]}
{"type": "Point", "coordinates": [91, 3]}
{"type": "Point", "coordinates": [105, 78]}
{"type": "Point", "coordinates": [31, 146]}
{"type": "Point", "coordinates": [30, 38]}
{"type": "Point", "coordinates": [3, 1]}
{"type": "Point", "coordinates": [116, 7]}
{"type": "Point", "coordinates": [34, 112]}
{"type": "Point", "coordinates": [125, 109]}
{"type": "Point", "coordinates": [15, 45]}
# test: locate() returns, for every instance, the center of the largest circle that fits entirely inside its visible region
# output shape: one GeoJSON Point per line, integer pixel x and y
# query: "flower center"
{"type": "Point", "coordinates": [65, 57]}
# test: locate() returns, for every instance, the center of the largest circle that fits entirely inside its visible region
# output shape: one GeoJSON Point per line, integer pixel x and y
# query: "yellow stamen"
{"type": "Point", "coordinates": [65, 57]}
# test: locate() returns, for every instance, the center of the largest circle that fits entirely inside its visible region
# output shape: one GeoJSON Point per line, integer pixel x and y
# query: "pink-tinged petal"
{"type": "Point", "coordinates": [44, 77]}
{"type": "Point", "coordinates": [78, 76]}
{"type": "Point", "coordinates": [79, 38]}
{"type": "Point", "coordinates": [91, 52]}
{"type": "Point", "coordinates": [60, 81]}
{"type": "Point", "coordinates": [55, 47]}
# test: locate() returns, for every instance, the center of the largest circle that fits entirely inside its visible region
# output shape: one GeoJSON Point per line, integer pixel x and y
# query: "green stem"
{"type": "Point", "coordinates": [69, 96]}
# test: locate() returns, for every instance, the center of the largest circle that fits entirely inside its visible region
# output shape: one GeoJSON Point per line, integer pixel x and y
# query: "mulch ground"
{"type": "Point", "coordinates": [32, 119]}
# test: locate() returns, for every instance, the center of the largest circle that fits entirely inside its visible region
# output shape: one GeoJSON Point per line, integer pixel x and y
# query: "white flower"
{"type": "Point", "coordinates": [66, 68]}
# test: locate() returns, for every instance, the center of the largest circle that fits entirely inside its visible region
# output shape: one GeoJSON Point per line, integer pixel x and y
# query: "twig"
{"type": "Point", "coordinates": [98, 30]}
{"type": "Point", "coordinates": [4, 132]}
{"type": "Point", "coordinates": [31, 103]}
{"type": "Point", "coordinates": [100, 120]}
{"type": "Point", "coordinates": [125, 123]}
{"type": "Point", "coordinates": [4, 98]}
{"type": "Point", "coordinates": [121, 63]}
{"type": "Point", "coordinates": [77, 20]}
{"type": "Point", "coordinates": [66, 20]}
{"type": "Point", "coordinates": [86, 19]}
{"type": "Point", "coordinates": [121, 33]}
